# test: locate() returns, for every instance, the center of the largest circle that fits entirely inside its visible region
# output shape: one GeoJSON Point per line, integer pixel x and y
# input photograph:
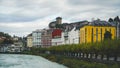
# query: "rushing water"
{"type": "Point", "coordinates": [26, 61]}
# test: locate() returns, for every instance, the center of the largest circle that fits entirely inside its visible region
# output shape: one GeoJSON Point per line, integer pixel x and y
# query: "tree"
{"type": "Point", "coordinates": [5, 38]}
{"type": "Point", "coordinates": [116, 19]}
{"type": "Point", "coordinates": [110, 20]}
{"type": "Point", "coordinates": [2, 34]}
{"type": "Point", "coordinates": [107, 35]}
{"type": "Point", "coordinates": [7, 41]}
{"type": "Point", "coordinates": [59, 26]}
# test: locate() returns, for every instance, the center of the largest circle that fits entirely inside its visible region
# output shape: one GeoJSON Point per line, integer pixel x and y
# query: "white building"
{"type": "Point", "coordinates": [15, 48]}
{"type": "Point", "coordinates": [11, 48]}
{"type": "Point", "coordinates": [36, 36]}
{"type": "Point", "coordinates": [71, 37]}
{"type": "Point", "coordinates": [118, 30]}
{"type": "Point", "coordinates": [74, 36]}
{"type": "Point", "coordinates": [65, 37]}
{"type": "Point", "coordinates": [56, 41]}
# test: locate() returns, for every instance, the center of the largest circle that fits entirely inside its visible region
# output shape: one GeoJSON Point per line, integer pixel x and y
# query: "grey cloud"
{"type": "Point", "coordinates": [101, 3]}
{"type": "Point", "coordinates": [29, 10]}
{"type": "Point", "coordinates": [13, 18]}
{"type": "Point", "coordinates": [71, 10]}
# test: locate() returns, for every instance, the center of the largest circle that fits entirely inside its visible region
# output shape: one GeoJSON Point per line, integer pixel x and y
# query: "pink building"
{"type": "Point", "coordinates": [46, 38]}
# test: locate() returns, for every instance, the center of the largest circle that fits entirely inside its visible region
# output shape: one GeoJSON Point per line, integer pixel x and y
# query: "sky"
{"type": "Point", "coordinates": [21, 17]}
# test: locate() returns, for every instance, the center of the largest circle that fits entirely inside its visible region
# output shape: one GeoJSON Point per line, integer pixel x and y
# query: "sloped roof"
{"type": "Point", "coordinates": [29, 34]}
{"type": "Point", "coordinates": [77, 25]}
{"type": "Point", "coordinates": [100, 23]}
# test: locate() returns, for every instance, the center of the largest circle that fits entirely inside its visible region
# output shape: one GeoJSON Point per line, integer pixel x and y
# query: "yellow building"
{"type": "Point", "coordinates": [29, 40]}
{"type": "Point", "coordinates": [90, 33]}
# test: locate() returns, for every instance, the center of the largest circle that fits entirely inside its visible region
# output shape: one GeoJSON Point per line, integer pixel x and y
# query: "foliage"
{"type": "Point", "coordinates": [107, 35]}
{"type": "Point", "coordinates": [2, 34]}
{"type": "Point", "coordinates": [59, 26]}
{"type": "Point", "coordinates": [5, 38]}
{"type": "Point", "coordinates": [76, 63]}
{"type": "Point", "coordinates": [7, 41]}
{"type": "Point", "coordinates": [110, 20]}
{"type": "Point", "coordinates": [106, 47]}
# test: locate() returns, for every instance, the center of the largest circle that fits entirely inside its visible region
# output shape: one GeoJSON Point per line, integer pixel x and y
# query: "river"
{"type": "Point", "coordinates": [26, 61]}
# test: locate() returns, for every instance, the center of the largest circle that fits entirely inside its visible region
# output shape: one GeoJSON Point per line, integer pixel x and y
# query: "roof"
{"type": "Point", "coordinates": [38, 30]}
{"type": "Point", "coordinates": [29, 34]}
{"type": "Point", "coordinates": [77, 25]}
{"type": "Point", "coordinates": [100, 23]}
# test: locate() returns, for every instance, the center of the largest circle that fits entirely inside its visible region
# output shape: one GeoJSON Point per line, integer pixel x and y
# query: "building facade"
{"type": "Point", "coordinates": [118, 30]}
{"type": "Point", "coordinates": [29, 40]}
{"type": "Point", "coordinates": [91, 33]}
{"type": "Point", "coordinates": [36, 36]}
{"type": "Point", "coordinates": [74, 36]}
{"type": "Point", "coordinates": [116, 22]}
{"type": "Point", "coordinates": [56, 37]}
{"type": "Point", "coordinates": [65, 37]}
{"type": "Point", "coordinates": [11, 48]}
{"type": "Point", "coordinates": [71, 37]}
{"type": "Point", "coordinates": [46, 38]}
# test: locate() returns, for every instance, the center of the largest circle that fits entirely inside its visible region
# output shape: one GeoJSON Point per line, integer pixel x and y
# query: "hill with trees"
{"type": "Point", "coordinates": [5, 38]}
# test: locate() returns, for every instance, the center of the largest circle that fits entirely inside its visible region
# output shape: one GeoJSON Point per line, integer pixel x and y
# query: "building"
{"type": "Point", "coordinates": [15, 38]}
{"type": "Point", "coordinates": [56, 24]}
{"type": "Point", "coordinates": [4, 47]}
{"type": "Point", "coordinates": [46, 38]}
{"type": "Point", "coordinates": [56, 41]}
{"type": "Point", "coordinates": [15, 48]}
{"type": "Point", "coordinates": [70, 34]}
{"type": "Point", "coordinates": [36, 36]}
{"type": "Point", "coordinates": [58, 20]}
{"type": "Point", "coordinates": [56, 33]}
{"type": "Point", "coordinates": [65, 37]}
{"type": "Point", "coordinates": [29, 40]}
{"type": "Point", "coordinates": [11, 48]}
{"type": "Point", "coordinates": [74, 36]}
{"type": "Point", "coordinates": [71, 37]}
{"type": "Point", "coordinates": [116, 22]}
{"type": "Point", "coordinates": [56, 37]}
{"type": "Point", "coordinates": [118, 30]}
{"type": "Point", "coordinates": [95, 31]}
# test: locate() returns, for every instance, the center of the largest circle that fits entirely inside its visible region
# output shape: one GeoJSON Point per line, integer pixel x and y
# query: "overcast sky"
{"type": "Point", "coordinates": [21, 17]}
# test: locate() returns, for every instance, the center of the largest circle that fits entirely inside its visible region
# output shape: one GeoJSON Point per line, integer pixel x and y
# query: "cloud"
{"type": "Point", "coordinates": [28, 10]}
{"type": "Point", "coordinates": [21, 17]}
{"type": "Point", "coordinates": [24, 28]}
{"type": "Point", "coordinates": [94, 2]}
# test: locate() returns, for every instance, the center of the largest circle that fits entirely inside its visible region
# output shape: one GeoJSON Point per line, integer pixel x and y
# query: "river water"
{"type": "Point", "coordinates": [26, 61]}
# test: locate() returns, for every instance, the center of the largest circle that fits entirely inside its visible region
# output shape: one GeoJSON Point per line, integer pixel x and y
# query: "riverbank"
{"type": "Point", "coordinates": [73, 62]}
{"type": "Point", "coordinates": [77, 63]}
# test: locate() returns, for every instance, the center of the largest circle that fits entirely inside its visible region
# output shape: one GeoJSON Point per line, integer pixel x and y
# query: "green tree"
{"type": "Point", "coordinates": [107, 35]}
